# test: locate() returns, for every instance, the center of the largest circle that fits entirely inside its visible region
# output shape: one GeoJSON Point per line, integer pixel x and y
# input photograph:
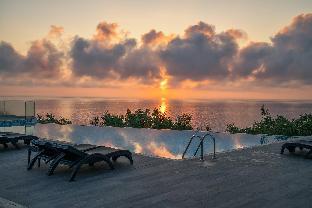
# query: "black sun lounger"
{"type": "Point", "coordinates": [302, 144]}
{"type": "Point", "coordinates": [14, 138]}
{"type": "Point", "coordinates": [74, 156]}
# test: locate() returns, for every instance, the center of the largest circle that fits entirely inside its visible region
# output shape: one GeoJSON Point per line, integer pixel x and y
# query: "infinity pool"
{"type": "Point", "coordinates": [160, 143]}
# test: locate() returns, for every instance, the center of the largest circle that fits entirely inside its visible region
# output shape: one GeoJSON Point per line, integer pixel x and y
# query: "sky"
{"type": "Point", "coordinates": [234, 49]}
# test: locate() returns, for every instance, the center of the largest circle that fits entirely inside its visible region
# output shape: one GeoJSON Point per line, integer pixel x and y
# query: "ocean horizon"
{"type": "Point", "coordinates": [217, 114]}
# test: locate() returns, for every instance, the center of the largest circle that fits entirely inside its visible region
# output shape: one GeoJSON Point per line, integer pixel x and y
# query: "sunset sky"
{"type": "Point", "coordinates": [225, 49]}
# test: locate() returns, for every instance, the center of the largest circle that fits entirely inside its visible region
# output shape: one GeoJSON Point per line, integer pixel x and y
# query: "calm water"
{"type": "Point", "coordinates": [216, 114]}
{"type": "Point", "coordinates": [152, 142]}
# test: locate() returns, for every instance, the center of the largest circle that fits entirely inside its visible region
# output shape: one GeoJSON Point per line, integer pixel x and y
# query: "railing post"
{"type": "Point", "coordinates": [202, 150]}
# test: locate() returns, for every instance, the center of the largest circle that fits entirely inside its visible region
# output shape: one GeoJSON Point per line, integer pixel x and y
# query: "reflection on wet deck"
{"type": "Point", "coordinates": [152, 142]}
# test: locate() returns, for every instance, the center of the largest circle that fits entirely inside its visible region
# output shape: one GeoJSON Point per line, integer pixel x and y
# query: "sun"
{"type": "Point", "coordinates": [163, 84]}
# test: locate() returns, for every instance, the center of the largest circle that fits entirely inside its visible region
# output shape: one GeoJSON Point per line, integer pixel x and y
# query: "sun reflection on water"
{"type": "Point", "coordinates": [163, 102]}
{"type": "Point", "coordinates": [163, 105]}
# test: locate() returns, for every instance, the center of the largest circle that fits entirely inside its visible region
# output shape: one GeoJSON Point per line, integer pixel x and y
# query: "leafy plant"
{"type": "Point", "coordinates": [138, 119]}
{"type": "Point", "coordinates": [50, 118]}
{"type": "Point", "coordinates": [112, 120]}
{"type": "Point", "coordinates": [95, 121]}
{"type": "Point", "coordinates": [160, 120]}
{"type": "Point", "coordinates": [278, 125]}
{"type": "Point", "coordinates": [183, 122]}
{"type": "Point", "coordinates": [143, 119]}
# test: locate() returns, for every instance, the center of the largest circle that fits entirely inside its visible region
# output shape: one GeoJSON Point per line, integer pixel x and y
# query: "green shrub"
{"type": "Point", "coordinates": [144, 119]}
{"type": "Point", "coordinates": [183, 122]}
{"type": "Point", "coordinates": [50, 118]}
{"type": "Point", "coordinates": [278, 125]}
{"type": "Point", "coordinates": [112, 120]}
{"type": "Point", "coordinates": [95, 121]}
{"type": "Point", "coordinates": [160, 120]}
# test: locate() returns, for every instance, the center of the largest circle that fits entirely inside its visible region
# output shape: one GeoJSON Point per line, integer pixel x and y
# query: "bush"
{"type": "Point", "coordinates": [144, 119]}
{"type": "Point", "coordinates": [138, 119]}
{"type": "Point", "coordinates": [112, 120]}
{"type": "Point", "coordinates": [50, 118]}
{"type": "Point", "coordinates": [183, 122]}
{"type": "Point", "coordinates": [160, 120]}
{"type": "Point", "coordinates": [278, 125]}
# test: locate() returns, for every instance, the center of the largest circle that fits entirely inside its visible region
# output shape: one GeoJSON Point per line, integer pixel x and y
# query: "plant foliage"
{"type": "Point", "coordinates": [278, 125]}
{"type": "Point", "coordinates": [144, 119]}
{"type": "Point", "coordinates": [50, 118]}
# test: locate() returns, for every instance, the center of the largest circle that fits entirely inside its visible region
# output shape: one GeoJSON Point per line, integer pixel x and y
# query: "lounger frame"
{"type": "Point", "coordinates": [301, 144]}
{"type": "Point", "coordinates": [56, 153]}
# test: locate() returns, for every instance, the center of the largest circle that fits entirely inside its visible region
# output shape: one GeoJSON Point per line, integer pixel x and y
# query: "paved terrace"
{"type": "Point", "coordinates": [257, 177]}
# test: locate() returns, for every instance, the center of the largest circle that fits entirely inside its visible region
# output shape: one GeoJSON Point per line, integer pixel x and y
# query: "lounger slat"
{"type": "Point", "coordinates": [56, 153]}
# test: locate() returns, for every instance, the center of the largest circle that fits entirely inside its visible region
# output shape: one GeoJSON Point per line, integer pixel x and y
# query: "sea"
{"type": "Point", "coordinates": [216, 114]}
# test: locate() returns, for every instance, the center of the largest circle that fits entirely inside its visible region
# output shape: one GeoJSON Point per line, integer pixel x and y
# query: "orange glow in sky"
{"type": "Point", "coordinates": [184, 50]}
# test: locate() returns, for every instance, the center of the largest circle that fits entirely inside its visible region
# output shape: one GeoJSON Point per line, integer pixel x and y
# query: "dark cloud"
{"type": "Point", "coordinates": [200, 28]}
{"type": "Point", "coordinates": [201, 54]}
{"type": "Point", "coordinates": [106, 31]}
{"type": "Point", "coordinates": [90, 58]}
{"type": "Point", "coordinates": [10, 60]}
{"type": "Point", "coordinates": [42, 60]}
{"type": "Point", "coordinates": [117, 61]}
{"type": "Point", "coordinates": [142, 63]}
{"type": "Point", "coordinates": [287, 59]}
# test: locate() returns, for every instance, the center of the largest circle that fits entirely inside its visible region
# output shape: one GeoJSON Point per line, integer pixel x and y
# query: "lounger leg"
{"type": "Point", "coordinates": [127, 156]}
{"type": "Point", "coordinates": [283, 149]}
{"type": "Point", "coordinates": [109, 163]}
{"type": "Point", "coordinates": [5, 145]}
{"type": "Point", "coordinates": [74, 173]}
{"type": "Point", "coordinates": [55, 163]}
{"type": "Point", "coordinates": [308, 154]}
{"type": "Point", "coordinates": [130, 159]}
{"type": "Point", "coordinates": [15, 145]}
{"type": "Point", "coordinates": [291, 149]}
{"type": "Point", "coordinates": [32, 162]}
{"type": "Point", "coordinates": [29, 155]}
{"type": "Point", "coordinates": [87, 160]}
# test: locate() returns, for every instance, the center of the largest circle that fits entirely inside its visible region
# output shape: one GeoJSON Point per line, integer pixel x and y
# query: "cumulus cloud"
{"type": "Point", "coordinates": [201, 54]}
{"type": "Point", "coordinates": [43, 60]}
{"type": "Point", "coordinates": [90, 58]}
{"type": "Point", "coordinates": [106, 31]}
{"type": "Point", "coordinates": [141, 63]}
{"type": "Point", "coordinates": [120, 60]}
{"type": "Point", "coordinates": [155, 39]}
{"type": "Point", "coordinates": [287, 59]}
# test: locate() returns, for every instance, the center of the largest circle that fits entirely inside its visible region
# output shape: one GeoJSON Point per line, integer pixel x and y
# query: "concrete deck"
{"type": "Point", "coordinates": [257, 177]}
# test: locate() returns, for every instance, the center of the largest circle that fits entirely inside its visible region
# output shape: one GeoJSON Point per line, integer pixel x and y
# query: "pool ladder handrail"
{"type": "Point", "coordinates": [201, 145]}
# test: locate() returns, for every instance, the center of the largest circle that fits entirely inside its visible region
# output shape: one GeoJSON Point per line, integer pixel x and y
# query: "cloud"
{"type": "Point", "coordinates": [55, 31]}
{"type": "Point", "coordinates": [199, 57]}
{"type": "Point", "coordinates": [201, 54]}
{"type": "Point", "coordinates": [155, 39]}
{"type": "Point", "coordinates": [117, 61]}
{"type": "Point", "coordinates": [142, 63]}
{"type": "Point", "coordinates": [287, 59]}
{"type": "Point", "coordinates": [106, 31]}
{"type": "Point", "coordinates": [90, 58]}
{"type": "Point", "coordinates": [200, 28]}
{"type": "Point", "coordinates": [43, 60]}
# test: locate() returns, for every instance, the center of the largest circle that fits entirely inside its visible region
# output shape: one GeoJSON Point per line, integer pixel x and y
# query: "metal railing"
{"type": "Point", "coordinates": [201, 145]}
{"type": "Point", "coordinates": [17, 108]}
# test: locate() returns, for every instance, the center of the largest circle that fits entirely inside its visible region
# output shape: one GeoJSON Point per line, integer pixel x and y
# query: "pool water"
{"type": "Point", "coordinates": [160, 143]}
